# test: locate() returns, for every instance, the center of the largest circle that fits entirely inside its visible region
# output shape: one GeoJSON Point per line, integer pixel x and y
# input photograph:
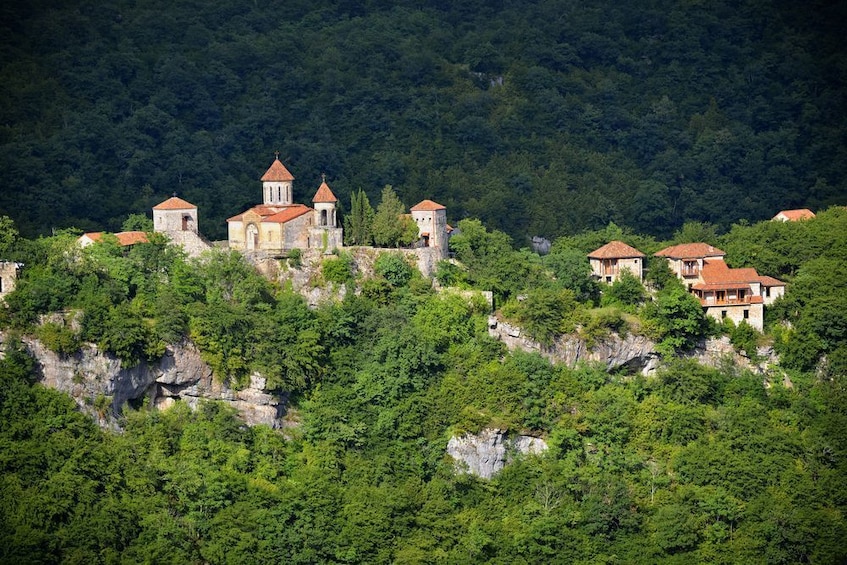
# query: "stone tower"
{"type": "Point", "coordinates": [325, 233]}
{"type": "Point", "coordinates": [277, 185]}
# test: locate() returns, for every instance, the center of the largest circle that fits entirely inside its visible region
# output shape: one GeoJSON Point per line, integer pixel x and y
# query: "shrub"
{"type": "Point", "coordinates": [295, 258]}
{"type": "Point", "coordinates": [58, 338]}
{"type": "Point", "coordinates": [338, 269]}
{"type": "Point", "coordinates": [393, 268]}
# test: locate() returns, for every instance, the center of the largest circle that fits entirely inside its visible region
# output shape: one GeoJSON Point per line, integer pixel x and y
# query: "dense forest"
{"type": "Point", "coordinates": [654, 123]}
{"type": "Point", "coordinates": [692, 464]}
{"type": "Point", "coordinates": [541, 117]}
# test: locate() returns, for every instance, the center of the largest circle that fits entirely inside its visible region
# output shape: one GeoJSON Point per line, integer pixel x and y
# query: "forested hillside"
{"type": "Point", "coordinates": [539, 118]}
{"type": "Point", "coordinates": [691, 464]}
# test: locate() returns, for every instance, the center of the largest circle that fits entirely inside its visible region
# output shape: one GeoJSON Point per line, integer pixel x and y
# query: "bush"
{"type": "Point", "coordinates": [58, 338]}
{"type": "Point", "coordinates": [393, 268]}
{"type": "Point", "coordinates": [338, 270]}
{"type": "Point", "coordinates": [295, 258]}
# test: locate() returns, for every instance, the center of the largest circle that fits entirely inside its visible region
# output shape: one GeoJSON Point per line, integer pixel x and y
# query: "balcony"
{"type": "Point", "coordinates": [691, 271]}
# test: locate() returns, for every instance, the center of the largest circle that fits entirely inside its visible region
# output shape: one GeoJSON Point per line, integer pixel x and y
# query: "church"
{"type": "Point", "coordinates": [279, 224]}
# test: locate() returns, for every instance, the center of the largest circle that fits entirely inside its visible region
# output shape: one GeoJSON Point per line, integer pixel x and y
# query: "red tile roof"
{"type": "Point", "coordinates": [288, 214]}
{"type": "Point", "coordinates": [124, 238]}
{"type": "Point", "coordinates": [131, 237]}
{"type": "Point", "coordinates": [770, 281]}
{"type": "Point", "coordinates": [324, 194]}
{"type": "Point", "coordinates": [794, 215]}
{"type": "Point", "coordinates": [174, 203]}
{"type": "Point", "coordinates": [615, 250]}
{"type": "Point", "coordinates": [427, 206]}
{"type": "Point", "coordinates": [690, 251]}
{"type": "Point", "coordinates": [262, 210]}
{"type": "Point", "coordinates": [93, 235]}
{"type": "Point", "coordinates": [276, 173]}
{"type": "Point", "coordinates": [715, 271]}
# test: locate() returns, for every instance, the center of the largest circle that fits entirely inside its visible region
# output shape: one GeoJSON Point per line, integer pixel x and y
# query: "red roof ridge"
{"type": "Point", "coordinates": [277, 172]}
{"type": "Point", "coordinates": [427, 206]}
{"type": "Point", "coordinates": [615, 250]}
{"type": "Point", "coordinates": [131, 237]}
{"type": "Point", "coordinates": [795, 214]}
{"type": "Point", "coordinates": [288, 214]}
{"type": "Point", "coordinates": [175, 203]}
{"type": "Point", "coordinates": [690, 251]}
{"type": "Point", "coordinates": [324, 194]}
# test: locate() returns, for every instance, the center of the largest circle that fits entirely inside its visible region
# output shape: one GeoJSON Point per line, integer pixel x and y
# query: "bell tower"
{"type": "Point", "coordinates": [277, 185]}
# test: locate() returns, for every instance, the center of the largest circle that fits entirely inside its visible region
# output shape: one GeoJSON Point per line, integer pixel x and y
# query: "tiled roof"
{"type": "Point", "coordinates": [93, 235]}
{"type": "Point", "coordinates": [770, 281]}
{"type": "Point", "coordinates": [262, 210]}
{"type": "Point", "coordinates": [716, 271]}
{"type": "Point", "coordinates": [794, 215]}
{"type": "Point", "coordinates": [615, 250]}
{"type": "Point", "coordinates": [131, 237]}
{"type": "Point", "coordinates": [690, 251]}
{"type": "Point", "coordinates": [174, 203]}
{"type": "Point", "coordinates": [276, 173]}
{"type": "Point", "coordinates": [124, 237]}
{"type": "Point", "coordinates": [324, 194]}
{"type": "Point", "coordinates": [427, 206]}
{"type": "Point", "coordinates": [288, 214]}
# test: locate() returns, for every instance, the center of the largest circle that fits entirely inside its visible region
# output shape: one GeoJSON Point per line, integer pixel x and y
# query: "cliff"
{"type": "Point", "coordinates": [102, 386]}
{"type": "Point", "coordinates": [486, 453]}
{"type": "Point", "coordinates": [634, 352]}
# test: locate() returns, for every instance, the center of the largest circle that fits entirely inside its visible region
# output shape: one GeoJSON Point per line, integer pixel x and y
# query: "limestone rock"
{"type": "Point", "coordinates": [180, 374]}
{"type": "Point", "coordinates": [486, 453]}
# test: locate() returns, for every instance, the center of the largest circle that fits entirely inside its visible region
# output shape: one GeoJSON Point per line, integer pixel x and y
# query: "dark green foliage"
{"type": "Point", "coordinates": [393, 268]}
{"type": "Point", "coordinates": [358, 224]}
{"type": "Point", "coordinates": [572, 271]}
{"type": "Point", "coordinates": [391, 226]}
{"type": "Point", "coordinates": [544, 119]}
{"type": "Point", "coordinates": [676, 319]}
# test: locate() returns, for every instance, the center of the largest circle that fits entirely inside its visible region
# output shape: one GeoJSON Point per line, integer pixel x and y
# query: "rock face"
{"type": "Point", "coordinates": [94, 378]}
{"type": "Point", "coordinates": [486, 453]}
{"type": "Point", "coordinates": [634, 352]}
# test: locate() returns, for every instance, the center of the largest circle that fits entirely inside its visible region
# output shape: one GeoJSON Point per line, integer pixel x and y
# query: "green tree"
{"type": "Point", "coordinates": [358, 224]}
{"type": "Point", "coordinates": [137, 222]}
{"type": "Point", "coordinates": [391, 226]}
{"type": "Point", "coordinates": [676, 319]}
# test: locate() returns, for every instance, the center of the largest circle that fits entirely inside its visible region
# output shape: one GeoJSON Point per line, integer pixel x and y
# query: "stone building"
{"type": "Point", "coordinates": [431, 219]}
{"type": "Point", "coordinates": [279, 224]}
{"type": "Point", "coordinates": [8, 277]}
{"type": "Point", "coordinates": [610, 260]}
{"type": "Point", "coordinates": [737, 294]}
{"type": "Point", "coordinates": [177, 219]}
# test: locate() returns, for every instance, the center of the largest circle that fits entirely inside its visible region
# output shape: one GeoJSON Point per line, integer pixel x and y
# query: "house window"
{"type": "Point", "coordinates": [609, 280]}
{"type": "Point", "coordinates": [767, 291]}
{"type": "Point", "coordinates": [1, 284]}
{"type": "Point", "coordinates": [746, 314]}
{"type": "Point", "coordinates": [723, 314]}
{"type": "Point", "coordinates": [690, 269]}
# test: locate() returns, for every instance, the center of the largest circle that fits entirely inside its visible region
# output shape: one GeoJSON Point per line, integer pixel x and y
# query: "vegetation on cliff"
{"type": "Point", "coordinates": [694, 464]}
